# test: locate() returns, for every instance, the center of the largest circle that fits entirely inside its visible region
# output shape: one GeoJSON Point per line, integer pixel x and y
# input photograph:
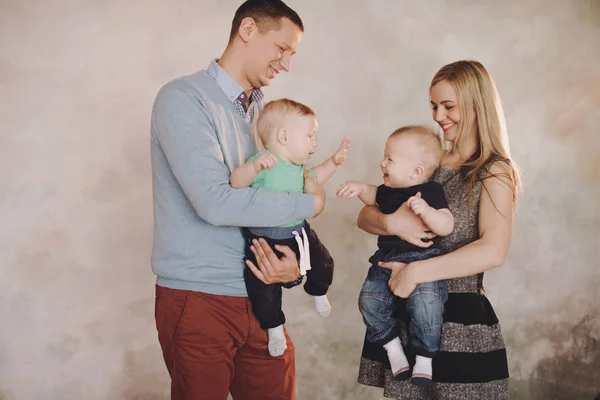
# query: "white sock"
{"type": "Point", "coordinates": [323, 306]}
{"type": "Point", "coordinates": [277, 343]}
{"type": "Point", "coordinates": [422, 368]}
{"type": "Point", "coordinates": [398, 360]}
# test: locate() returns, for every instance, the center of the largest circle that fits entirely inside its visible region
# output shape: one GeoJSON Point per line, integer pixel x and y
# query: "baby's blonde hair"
{"type": "Point", "coordinates": [272, 117]}
{"type": "Point", "coordinates": [429, 143]}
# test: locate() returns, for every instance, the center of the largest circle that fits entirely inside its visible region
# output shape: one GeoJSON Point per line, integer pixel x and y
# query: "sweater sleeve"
{"type": "Point", "coordinates": [184, 131]}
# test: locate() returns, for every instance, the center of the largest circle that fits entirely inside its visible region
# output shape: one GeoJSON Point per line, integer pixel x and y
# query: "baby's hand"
{"type": "Point", "coordinates": [340, 155]}
{"type": "Point", "coordinates": [264, 161]}
{"type": "Point", "coordinates": [350, 189]}
{"type": "Point", "coordinates": [418, 205]}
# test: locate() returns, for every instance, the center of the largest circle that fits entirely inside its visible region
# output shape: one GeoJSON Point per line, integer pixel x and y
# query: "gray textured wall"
{"type": "Point", "coordinates": [77, 82]}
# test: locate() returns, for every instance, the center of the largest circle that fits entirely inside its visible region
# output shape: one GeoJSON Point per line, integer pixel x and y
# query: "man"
{"type": "Point", "coordinates": [212, 344]}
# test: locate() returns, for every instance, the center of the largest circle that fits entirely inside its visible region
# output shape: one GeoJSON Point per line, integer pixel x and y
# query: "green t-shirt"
{"type": "Point", "coordinates": [283, 177]}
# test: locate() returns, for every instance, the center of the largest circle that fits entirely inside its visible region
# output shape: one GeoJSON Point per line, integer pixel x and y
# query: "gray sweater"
{"type": "Point", "coordinates": [198, 138]}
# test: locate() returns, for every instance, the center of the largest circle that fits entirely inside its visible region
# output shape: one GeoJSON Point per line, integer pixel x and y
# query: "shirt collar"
{"type": "Point", "coordinates": [231, 88]}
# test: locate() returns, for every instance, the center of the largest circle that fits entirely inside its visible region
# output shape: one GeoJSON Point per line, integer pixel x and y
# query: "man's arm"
{"type": "Point", "coordinates": [184, 131]}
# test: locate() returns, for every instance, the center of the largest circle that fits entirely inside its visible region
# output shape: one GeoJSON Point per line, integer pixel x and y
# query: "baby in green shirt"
{"type": "Point", "coordinates": [285, 135]}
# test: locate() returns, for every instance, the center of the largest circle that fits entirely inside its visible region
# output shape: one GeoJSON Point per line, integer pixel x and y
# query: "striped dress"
{"type": "Point", "coordinates": [471, 363]}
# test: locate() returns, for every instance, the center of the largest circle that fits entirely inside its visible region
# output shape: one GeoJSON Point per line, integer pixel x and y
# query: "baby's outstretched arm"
{"type": "Point", "coordinates": [367, 193]}
{"type": "Point", "coordinates": [244, 175]}
{"type": "Point", "coordinates": [325, 170]}
{"type": "Point", "coordinates": [440, 222]}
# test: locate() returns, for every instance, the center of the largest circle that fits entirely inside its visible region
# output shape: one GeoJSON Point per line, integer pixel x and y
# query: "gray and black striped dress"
{"type": "Point", "coordinates": [471, 363]}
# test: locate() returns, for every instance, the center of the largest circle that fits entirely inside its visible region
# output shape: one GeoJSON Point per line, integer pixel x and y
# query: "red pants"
{"type": "Point", "coordinates": [213, 345]}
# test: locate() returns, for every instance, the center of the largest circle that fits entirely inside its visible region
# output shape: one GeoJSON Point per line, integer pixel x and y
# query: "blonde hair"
{"type": "Point", "coordinates": [479, 105]}
{"type": "Point", "coordinates": [272, 116]}
{"type": "Point", "coordinates": [430, 145]}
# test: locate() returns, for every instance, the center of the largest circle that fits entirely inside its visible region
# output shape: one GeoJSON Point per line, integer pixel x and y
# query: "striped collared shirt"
{"type": "Point", "coordinates": [235, 92]}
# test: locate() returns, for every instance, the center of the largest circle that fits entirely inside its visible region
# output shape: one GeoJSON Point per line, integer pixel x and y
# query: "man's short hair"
{"type": "Point", "coordinates": [266, 13]}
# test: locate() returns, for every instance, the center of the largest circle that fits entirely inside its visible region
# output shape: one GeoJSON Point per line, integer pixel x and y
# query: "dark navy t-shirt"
{"type": "Point", "coordinates": [390, 199]}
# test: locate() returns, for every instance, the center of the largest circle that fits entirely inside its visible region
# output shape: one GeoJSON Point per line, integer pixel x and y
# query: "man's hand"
{"type": "Point", "coordinates": [264, 161]}
{"type": "Point", "coordinates": [312, 187]}
{"type": "Point", "coordinates": [270, 268]}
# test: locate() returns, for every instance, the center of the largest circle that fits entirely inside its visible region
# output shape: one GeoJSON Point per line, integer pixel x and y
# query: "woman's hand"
{"type": "Point", "coordinates": [402, 282]}
{"type": "Point", "coordinates": [409, 227]}
{"type": "Point", "coordinates": [270, 268]}
{"type": "Point", "coordinates": [402, 223]}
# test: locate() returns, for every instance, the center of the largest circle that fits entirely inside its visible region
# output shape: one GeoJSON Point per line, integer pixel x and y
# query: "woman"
{"type": "Point", "coordinates": [480, 181]}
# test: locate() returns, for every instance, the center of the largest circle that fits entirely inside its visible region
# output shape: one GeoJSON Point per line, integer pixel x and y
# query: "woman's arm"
{"type": "Point", "coordinates": [373, 221]}
{"type": "Point", "coordinates": [402, 223]}
{"type": "Point", "coordinates": [487, 252]}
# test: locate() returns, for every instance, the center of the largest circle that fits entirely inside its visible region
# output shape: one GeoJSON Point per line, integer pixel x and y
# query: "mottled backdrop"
{"type": "Point", "coordinates": [77, 82]}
